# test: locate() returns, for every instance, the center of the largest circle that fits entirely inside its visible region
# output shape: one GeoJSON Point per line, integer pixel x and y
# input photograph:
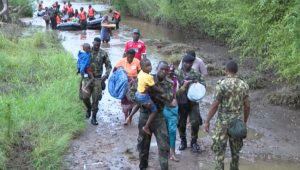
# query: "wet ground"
{"type": "Point", "coordinates": [273, 133]}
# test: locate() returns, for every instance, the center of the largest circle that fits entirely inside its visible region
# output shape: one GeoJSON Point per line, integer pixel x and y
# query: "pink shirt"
{"type": "Point", "coordinates": [198, 65]}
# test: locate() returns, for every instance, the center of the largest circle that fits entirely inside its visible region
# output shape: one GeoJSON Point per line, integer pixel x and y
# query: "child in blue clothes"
{"type": "Point", "coordinates": [84, 66]}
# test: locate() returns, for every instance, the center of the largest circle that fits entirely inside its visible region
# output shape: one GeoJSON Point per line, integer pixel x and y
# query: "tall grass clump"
{"type": "Point", "coordinates": [38, 102]}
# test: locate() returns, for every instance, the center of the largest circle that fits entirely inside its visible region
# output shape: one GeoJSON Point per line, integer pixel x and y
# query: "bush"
{"type": "Point", "coordinates": [28, 11]}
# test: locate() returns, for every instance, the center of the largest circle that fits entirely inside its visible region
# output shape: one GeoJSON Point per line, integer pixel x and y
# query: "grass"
{"type": "Point", "coordinates": [38, 101]}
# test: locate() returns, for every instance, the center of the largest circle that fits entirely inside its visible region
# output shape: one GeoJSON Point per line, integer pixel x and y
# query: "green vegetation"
{"type": "Point", "coordinates": [20, 3]}
{"type": "Point", "coordinates": [39, 105]}
{"type": "Point", "coordinates": [264, 30]}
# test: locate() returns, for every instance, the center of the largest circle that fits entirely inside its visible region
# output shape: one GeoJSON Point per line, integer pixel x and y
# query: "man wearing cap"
{"type": "Point", "coordinates": [198, 64]}
{"type": "Point", "coordinates": [186, 73]}
{"type": "Point", "coordinates": [138, 46]}
{"type": "Point", "coordinates": [98, 58]}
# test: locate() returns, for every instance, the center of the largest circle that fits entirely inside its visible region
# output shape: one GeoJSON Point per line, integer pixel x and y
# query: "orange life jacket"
{"type": "Point", "coordinates": [57, 19]}
{"type": "Point", "coordinates": [70, 10]}
{"type": "Point", "coordinates": [91, 12]}
{"type": "Point", "coordinates": [65, 7]}
{"type": "Point", "coordinates": [117, 14]}
{"type": "Point", "coordinates": [40, 7]}
{"type": "Point", "coordinates": [81, 15]}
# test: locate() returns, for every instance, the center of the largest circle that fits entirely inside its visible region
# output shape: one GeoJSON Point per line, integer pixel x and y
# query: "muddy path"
{"type": "Point", "coordinates": [273, 138]}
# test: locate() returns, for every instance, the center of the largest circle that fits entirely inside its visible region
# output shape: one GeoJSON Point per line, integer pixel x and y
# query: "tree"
{"type": "Point", "coordinates": [4, 14]}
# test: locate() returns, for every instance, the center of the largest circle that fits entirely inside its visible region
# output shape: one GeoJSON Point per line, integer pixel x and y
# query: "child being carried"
{"type": "Point", "coordinates": [84, 66]}
{"type": "Point", "coordinates": [146, 84]}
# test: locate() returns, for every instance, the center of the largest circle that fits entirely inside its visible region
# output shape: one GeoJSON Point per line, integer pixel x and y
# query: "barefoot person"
{"type": "Point", "coordinates": [84, 67]}
{"type": "Point", "coordinates": [98, 58]}
{"type": "Point", "coordinates": [171, 115]}
{"type": "Point", "coordinates": [158, 126]}
{"type": "Point", "coordinates": [132, 66]}
{"type": "Point", "coordinates": [146, 84]}
{"type": "Point", "coordinates": [231, 100]}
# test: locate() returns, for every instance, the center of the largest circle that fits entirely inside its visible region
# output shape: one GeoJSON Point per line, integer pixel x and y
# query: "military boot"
{"type": "Point", "coordinates": [183, 144]}
{"type": "Point", "coordinates": [194, 146]}
{"type": "Point", "coordinates": [94, 120]}
{"type": "Point", "coordinates": [88, 113]}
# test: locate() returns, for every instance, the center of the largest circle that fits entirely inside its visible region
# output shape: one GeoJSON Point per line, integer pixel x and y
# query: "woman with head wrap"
{"type": "Point", "coordinates": [104, 35]}
{"type": "Point", "coordinates": [185, 76]}
{"type": "Point", "coordinates": [171, 115]}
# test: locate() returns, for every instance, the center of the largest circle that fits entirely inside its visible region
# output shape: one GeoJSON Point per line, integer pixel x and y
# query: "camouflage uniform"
{"type": "Point", "coordinates": [231, 93]}
{"type": "Point", "coordinates": [53, 16]}
{"type": "Point", "coordinates": [158, 126]}
{"type": "Point", "coordinates": [97, 59]}
{"type": "Point", "coordinates": [192, 107]}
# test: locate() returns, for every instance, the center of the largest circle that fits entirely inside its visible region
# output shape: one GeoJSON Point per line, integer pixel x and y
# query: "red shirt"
{"type": "Point", "coordinates": [139, 48]}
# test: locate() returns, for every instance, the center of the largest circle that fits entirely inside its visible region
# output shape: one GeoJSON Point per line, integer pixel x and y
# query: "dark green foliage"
{"type": "Point", "coordinates": [264, 30]}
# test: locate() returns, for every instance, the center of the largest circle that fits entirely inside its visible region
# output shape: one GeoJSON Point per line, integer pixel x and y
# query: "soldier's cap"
{"type": "Point", "coordinates": [136, 31]}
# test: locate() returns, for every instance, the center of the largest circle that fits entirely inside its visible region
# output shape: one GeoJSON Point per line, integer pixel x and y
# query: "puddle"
{"type": "Point", "coordinates": [259, 164]}
{"type": "Point", "coordinates": [253, 134]}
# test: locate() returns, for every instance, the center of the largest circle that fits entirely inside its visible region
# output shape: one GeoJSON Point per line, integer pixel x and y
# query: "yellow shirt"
{"type": "Point", "coordinates": [144, 80]}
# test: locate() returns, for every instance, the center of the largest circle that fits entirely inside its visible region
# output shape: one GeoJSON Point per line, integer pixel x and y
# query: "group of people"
{"type": "Point", "coordinates": [57, 16]}
{"type": "Point", "coordinates": [162, 100]}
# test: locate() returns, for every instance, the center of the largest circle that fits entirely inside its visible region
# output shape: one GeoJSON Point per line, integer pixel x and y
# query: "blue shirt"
{"type": "Point", "coordinates": [83, 61]}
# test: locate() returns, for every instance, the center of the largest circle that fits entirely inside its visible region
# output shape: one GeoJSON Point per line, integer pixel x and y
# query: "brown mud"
{"type": "Point", "coordinates": [273, 131]}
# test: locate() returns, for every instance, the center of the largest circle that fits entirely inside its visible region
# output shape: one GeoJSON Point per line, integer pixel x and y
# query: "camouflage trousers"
{"type": "Point", "coordinates": [159, 129]}
{"type": "Point", "coordinates": [219, 146]}
{"type": "Point", "coordinates": [196, 119]}
{"type": "Point", "coordinates": [96, 93]}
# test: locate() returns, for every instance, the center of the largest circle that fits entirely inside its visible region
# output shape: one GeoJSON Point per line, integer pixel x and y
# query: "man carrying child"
{"type": "Point", "coordinates": [158, 124]}
{"type": "Point", "coordinates": [98, 58]}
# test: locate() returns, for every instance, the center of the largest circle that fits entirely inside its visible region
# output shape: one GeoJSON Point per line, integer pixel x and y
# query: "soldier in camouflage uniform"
{"type": "Point", "coordinates": [190, 107]}
{"type": "Point", "coordinates": [231, 100]}
{"type": "Point", "coordinates": [53, 15]}
{"type": "Point", "coordinates": [158, 125]}
{"type": "Point", "coordinates": [97, 59]}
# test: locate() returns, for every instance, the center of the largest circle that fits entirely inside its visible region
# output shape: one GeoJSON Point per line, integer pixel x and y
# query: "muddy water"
{"type": "Point", "coordinates": [112, 145]}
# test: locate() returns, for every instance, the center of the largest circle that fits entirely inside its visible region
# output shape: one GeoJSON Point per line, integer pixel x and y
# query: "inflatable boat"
{"type": "Point", "coordinates": [69, 26]}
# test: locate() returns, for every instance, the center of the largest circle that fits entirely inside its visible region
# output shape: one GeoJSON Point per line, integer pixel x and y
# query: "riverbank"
{"type": "Point", "coordinates": [38, 89]}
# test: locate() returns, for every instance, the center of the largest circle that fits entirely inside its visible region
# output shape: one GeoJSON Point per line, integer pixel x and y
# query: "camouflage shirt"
{"type": "Point", "coordinates": [54, 12]}
{"type": "Point", "coordinates": [159, 99]}
{"type": "Point", "coordinates": [231, 93]}
{"type": "Point", "coordinates": [192, 74]}
{"type": "Point", "coordinates": [97, 59]}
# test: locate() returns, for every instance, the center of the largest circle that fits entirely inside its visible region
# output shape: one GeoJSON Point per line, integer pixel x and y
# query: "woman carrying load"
{"type": "Point", "coordinates": [132, 66]}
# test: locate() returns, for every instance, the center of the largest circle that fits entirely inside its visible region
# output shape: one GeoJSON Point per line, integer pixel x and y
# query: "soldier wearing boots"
{"type": "Point", "coordinates": [186, 73]}
{"type": "Point", "coordinates": [158, 126]}
{"type": "Point", "coordinates": [231, 100]}
{"type": "Point", "coordinates": [98, 58]}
